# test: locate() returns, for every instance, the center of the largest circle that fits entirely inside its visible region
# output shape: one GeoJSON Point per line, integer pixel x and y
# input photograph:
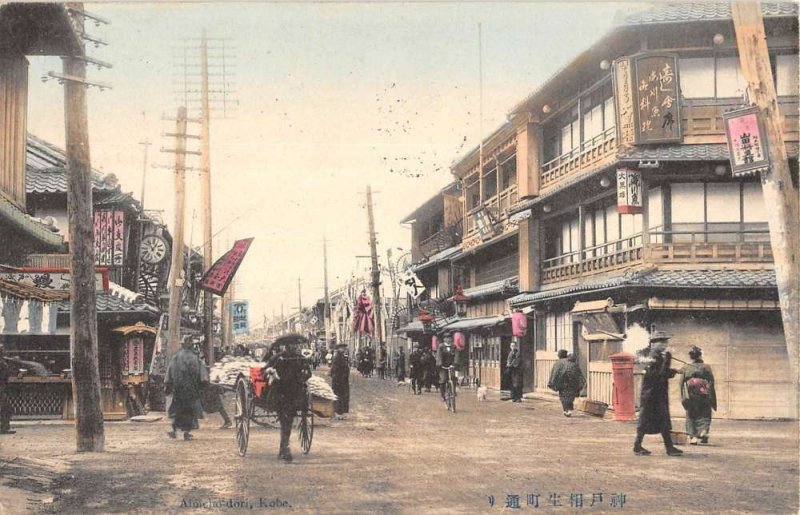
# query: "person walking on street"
{"type": "Point", "coordinates": [400, 365]}
{"type": "Point", "coordinates": [382, 361]}
{"type": "Point", "coordinates": [654, 403]}
{"type": "Point", "coordinates": [5, 405]}
{"type": "Point", "coordinates": [289, 390]}
{"type": "Point", "coordinates": [698, 396]}
{"type": "Point", "coordinates": [566, 378]}
{"type": "Point", "coordinates": [514, 370]}
{"type": "Point", "coordinates": [186, 378]}
{"type": "Point", "coordinates": [415, 370]}
{"type": "Point", "coordinates": [340, 380]}
{"type": "Point", "coordinates": [428, 369]}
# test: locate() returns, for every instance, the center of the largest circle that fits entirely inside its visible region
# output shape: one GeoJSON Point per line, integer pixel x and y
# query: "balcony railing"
{"type": "Point", "coordinates": [607, 256]}
{"type": "Point", "coordinates": [588, 153]}
{"type": "Point", "coordinates": [442, 239]}
{"type": "Point", "coordinates": [497, 206]}
{"type": "Point", "coordinates": [734, 246]}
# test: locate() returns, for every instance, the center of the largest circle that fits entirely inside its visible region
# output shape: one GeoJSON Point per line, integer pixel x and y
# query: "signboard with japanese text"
{"type": "Point", "coordinates": [240, 323]}
{"type": "Point", "coordinates": [109, 237]}
{"type": "Point", "coordinates": [746, 143]}
{"type": "Point", "coordinates": [629, 192]}
{"type": "Point", "coordinates": [484, 223]}
{"type": "Point", "coordinates": [219, 276]}
{"type": "Point", "coordinates": [51, 280]}
{"type": "Point", "coordinates": [623, 99]}
{"type": "Point", "coordinates": [657, 111]}
{"type": "Point", "coordinates": [410, 284]}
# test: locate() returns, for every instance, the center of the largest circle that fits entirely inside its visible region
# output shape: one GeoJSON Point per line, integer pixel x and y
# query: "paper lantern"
{"type": "Point", "coordinates": [434, 343]}
{"type": "Point", "coordinates": [519, 324]}
{"type": "Point", "coordinates": [459, 341]}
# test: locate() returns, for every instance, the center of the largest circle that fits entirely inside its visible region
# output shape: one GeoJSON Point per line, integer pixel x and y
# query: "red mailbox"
{"type": "Point", "coordinates": [622, 395]}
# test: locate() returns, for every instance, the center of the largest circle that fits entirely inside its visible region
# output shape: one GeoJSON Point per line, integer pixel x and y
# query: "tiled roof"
{"type": "Point", "coordinates": [510, 285]}
{"type": "Point", "coordinates": [704, 152]}
{"type": "Point", "coordinates": [45, 238]}
{"type": "Point", "coordinates": [653, 278]}
{"type": "Point", "coordinates": [46, 169]}
{"type": "Point", "coordinates": [702, 11]}
{"type": "Point", "coordinates": [707, 279]}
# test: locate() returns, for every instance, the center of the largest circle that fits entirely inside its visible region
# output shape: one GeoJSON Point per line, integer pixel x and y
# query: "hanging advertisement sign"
{"type": "Point", "coordinates": [109, 237]}
{"type": "Point", "coordinates": [623, 99]}
{"type": "Point", "coordinates": [746, 143]}
{"type": "Point", "coordinates": [240, 322]}
{"type": "Point", "coordinates": [629, 192]}
{"type": "Point", "coordinates": [657, 109]}
{"type": "Point", "coordinates": [484, 223]}
{"type": "Point", "coordinates": [410, 284]}
{"type": "Point", "coordinates": [219, 276]}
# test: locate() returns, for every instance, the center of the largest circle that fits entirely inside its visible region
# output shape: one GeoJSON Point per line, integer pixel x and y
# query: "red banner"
{"type": "Point", "coordinates": [219, 276]}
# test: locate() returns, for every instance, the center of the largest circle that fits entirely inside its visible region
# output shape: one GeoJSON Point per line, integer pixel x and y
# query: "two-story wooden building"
{"type": "Point", "coordinates": [641, 113]}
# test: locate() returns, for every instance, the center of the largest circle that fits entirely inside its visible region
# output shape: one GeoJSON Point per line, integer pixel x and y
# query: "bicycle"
{"type": "Point", "coordinates": [450, 388]}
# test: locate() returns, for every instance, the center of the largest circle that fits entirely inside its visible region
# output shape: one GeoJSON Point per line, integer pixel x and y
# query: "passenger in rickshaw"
{"type": "Point", "coordinates": [288, 390]}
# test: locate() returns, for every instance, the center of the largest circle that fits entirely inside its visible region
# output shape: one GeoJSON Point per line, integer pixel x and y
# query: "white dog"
{"type": "Point", "coordinates": [482, 393]}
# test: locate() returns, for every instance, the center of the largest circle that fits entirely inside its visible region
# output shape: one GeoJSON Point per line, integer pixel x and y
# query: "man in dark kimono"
{"type": "Point", "coordinates": [428, 369]}
{"type": "Point", "coordinates": [514, 371]}
{"type": "Point", "coordinates": [186, 378]}
{"type": "Point", "coordinates": [382, 361]}
{"type": "Point", "coordinates": [340, 380]}
{"type": "Point", "coordinates": [289, 390]}
{"type": "Point", "coordinates": [5, 406]}
{"type": "Point", "coordinates": [567, 379]}
{"type": "Point", "coordinates": [698, 396]}
{"type": "Point", "coordinates": [415, 369]}
{"type": "Point", "coordinates": [400, 365]}
{"type": "Point", "coordinates": [654, 404]}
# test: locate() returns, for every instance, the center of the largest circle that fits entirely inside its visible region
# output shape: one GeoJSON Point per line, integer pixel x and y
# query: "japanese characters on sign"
{"type": "Point", "coordinates": [51, 280]}
{"type": "Point", "coordinates": [657, 110]}
{"type": "Point", "coordinates": [219, 276]}
{"type": "Point", "coordinates": [746, 143]}
{"type": "Point", "coordinates": [573, 500]}
{"type": "Point", "coordinates": [109, 237]}
{"type": "Point", "coordinates": [410, 284]}
{"type": "Point", "coordinates": [623, 98]}
{"type": "Point", "coordinates": [484, 223]}
{"type": "Point", "coordinates": [629, 192]}
{"type": "Point", "coordinates": [240, 316]}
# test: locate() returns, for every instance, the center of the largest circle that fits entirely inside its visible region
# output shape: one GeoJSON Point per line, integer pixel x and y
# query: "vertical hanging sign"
{"type": "Point", "coordinates": [623, 100]}
{"type": "Point", "coordinates": [109, 237]}
{"type": "Point", "coordinates": [629, 192]}
{"type": "Point", "coordinates": [746, 143]}
{"type": "Point", "coordinates": [657, 100]}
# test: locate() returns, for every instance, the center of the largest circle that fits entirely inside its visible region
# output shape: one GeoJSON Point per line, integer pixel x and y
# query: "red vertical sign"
{"type": "Point", "coordinates": [219, 276]}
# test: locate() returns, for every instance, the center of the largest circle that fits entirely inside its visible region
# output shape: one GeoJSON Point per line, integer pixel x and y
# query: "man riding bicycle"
{"type": "Point", "coordinates": [445, 361]}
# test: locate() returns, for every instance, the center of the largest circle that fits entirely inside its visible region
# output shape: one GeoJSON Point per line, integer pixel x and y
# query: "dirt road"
{"type": "Point", "coordinates": [399, 453]}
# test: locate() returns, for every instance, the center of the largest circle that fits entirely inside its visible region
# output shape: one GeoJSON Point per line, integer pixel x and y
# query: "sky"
{"type": "Point", "coordinates": [332, 97]}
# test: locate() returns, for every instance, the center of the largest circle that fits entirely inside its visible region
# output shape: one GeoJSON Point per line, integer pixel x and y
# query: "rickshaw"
{"type": "Point", "coordinates": [253, 405]}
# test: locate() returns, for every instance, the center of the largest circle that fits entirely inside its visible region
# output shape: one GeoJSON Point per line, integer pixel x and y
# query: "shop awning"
{"type": "Point", "coordinates": [505, 286]}
{"type": "Point", "coordinates": [443, 255]}
{"type": "Point", "coordinates": [714, 304]}
{"type": "Point", "coordinates": [597, 320]}
{"type": "Point", "coordinates": [473, 324]}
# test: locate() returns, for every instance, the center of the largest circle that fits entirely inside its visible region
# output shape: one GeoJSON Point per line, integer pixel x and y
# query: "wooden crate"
{"type": "Point", "coordinates": [322, 407]}
{"type": "Point", "coordinates": [595, 408]}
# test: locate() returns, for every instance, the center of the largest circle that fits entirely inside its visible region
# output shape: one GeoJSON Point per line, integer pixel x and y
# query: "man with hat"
{"type": "Point", "coordinates": [415, 369]}
{"type": "Point", "coordinates": [185, 380]}
{"type": "Point", "coordinates": [340, 380]}
{"type": "Point", "coordinates": [654, 404]}
{"type": "Point", "coordinates": [293, 370]}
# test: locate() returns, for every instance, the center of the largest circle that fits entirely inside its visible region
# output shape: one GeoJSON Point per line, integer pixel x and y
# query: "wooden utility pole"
{"type": "Point", "coordinates": [326, 310]}
{"type": "Point", "coordinates": [90, 433]}
{"type": "Point", "coordinates": [780, 196]}
{"type": "Point", "coordinates": [175, 276]}
{"type": "Point", "coordinates": [205, 200]}
{"type": "Point", "coordinates": [376, 272]}
{"type": "Point", "coordinates": [299, 298]}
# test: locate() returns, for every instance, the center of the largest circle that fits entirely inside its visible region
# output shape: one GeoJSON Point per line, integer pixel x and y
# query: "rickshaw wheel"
{"type": "Point", "coordinates": [242, 415]}
{"type": "Point", "coordinates": [305, 428]}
